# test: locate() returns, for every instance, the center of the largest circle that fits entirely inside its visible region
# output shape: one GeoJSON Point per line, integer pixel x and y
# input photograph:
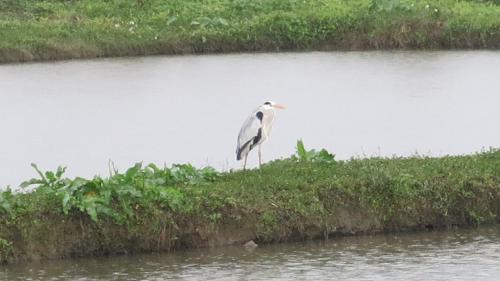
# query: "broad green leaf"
{"type": "Point", "coordinates": [301, 151]}
{"type": "Point", "coordinates": [38, 171]}
{"type": "Point", "coordinates": [65, 203]}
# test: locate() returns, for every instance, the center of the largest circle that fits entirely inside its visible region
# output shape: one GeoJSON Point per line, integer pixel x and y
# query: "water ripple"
{"type": "Point", "coordinates": [471, 254]}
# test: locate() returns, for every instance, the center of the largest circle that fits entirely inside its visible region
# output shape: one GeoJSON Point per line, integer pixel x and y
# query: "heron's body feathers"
{"type": "Point", "coordinates": [255, 130]}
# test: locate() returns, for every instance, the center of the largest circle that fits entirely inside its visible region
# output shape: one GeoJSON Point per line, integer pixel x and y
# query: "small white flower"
{"type": "Point", "coordinates": [131, 22]}
{"type": "Point", "coordinates": [156, 37]}
{"type": "Point", "coordinates": [436, 10]}
{"type": "Point", "coordinates": [427, 6]}
{"type": "Point", "coordinates": [117, 25]}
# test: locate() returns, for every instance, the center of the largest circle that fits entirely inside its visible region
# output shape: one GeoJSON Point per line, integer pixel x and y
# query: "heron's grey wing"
{"type": "Point", "coordinates": [248, 132]}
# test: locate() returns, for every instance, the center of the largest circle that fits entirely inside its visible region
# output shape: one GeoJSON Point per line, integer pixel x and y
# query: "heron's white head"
{"type": "Point", "coordinates": [273, 105]}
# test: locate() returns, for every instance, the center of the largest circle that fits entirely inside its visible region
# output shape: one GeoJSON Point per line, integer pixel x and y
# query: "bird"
{"type": "Point", "coordinates": [255, 130]}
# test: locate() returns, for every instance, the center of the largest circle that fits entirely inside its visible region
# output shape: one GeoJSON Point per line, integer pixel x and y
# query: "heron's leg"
{"type": "Point", "coordinates": [260, 157]}
{"type": "Point", "coordinates": [245, 163]}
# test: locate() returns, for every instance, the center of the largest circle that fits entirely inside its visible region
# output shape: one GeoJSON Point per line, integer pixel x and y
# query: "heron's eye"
{"type": "Point", "coordinates": [267, 103]}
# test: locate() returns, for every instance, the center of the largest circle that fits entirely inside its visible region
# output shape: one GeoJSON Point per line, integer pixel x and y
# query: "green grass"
{"type": "Point", "coordinates": [57, 29]}
{"type": "Point", "coordinates": [307, 196]}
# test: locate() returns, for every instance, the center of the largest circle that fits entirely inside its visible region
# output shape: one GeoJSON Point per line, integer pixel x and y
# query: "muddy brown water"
{"type": "Point", "coordinates": [455, 254]}
{"type": "Point", "coordinates": [81, 114]}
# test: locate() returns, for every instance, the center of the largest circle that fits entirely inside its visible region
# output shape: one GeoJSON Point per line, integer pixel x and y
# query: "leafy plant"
{"type": "Point", "coordinates": [322, 156]}
{"type": "Point", "coordinates": [49, 179]}
{"type": "Point", "coordinates": [6, 202]}
{"type": "Point", "coordinates": [118, 196]}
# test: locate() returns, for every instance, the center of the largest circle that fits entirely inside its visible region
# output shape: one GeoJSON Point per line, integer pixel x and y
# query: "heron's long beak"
{"type": "Point", "coordinates": [279, 106]}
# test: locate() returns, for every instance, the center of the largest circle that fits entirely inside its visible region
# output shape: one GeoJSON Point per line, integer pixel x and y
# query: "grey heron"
{"type": "Point", "coordinates": [256, 130]}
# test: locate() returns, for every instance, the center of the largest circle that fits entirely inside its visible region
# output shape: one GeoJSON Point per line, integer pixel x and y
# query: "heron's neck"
{"type": "Point", "coordinates": [267, 121]}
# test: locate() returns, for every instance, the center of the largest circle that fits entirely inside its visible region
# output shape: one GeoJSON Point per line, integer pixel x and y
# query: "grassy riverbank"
{"type": "Point", "coordinates": [53, 29]}
{"type": "Point", "coordinates": [306, 197]}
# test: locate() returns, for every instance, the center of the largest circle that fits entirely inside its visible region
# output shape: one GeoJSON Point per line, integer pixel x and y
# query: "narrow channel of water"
{"type": "Point", "coordinates": [189, 108]}
{"type": "Point", "coordinates": [466, 254]}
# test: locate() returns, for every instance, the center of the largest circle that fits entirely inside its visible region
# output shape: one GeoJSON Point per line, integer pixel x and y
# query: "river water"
{"type": "Point", "coordinates": [466, 254]}
{"type": "Point", "coordinates": [82, 114]}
